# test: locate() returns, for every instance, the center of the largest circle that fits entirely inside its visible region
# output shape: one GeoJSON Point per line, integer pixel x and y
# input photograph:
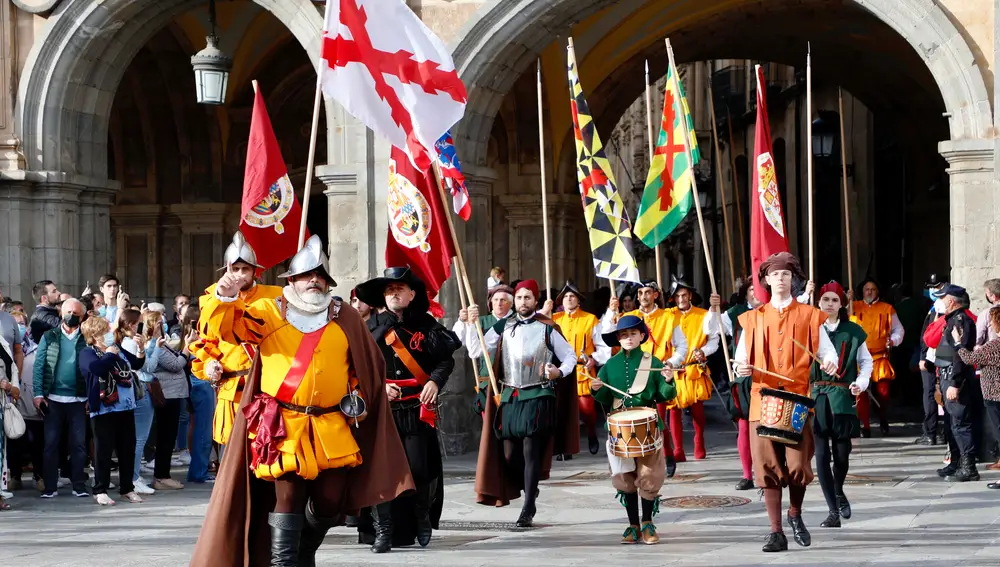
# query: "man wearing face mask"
{"type": "Point", "coordinates": [934, 434]}
{"type": "Point", "coordinates": [317, 363]}
{"type": "Point", "coordinates": [884, 331]}
{"type": "Point", "coordinates": [418, 361]}
{"type": "Point", "coordinates": [60, 395]}
{"type": "Point", "coordinates": [524, 349]}
{"type": "Point", "coordinates": [958, 383]}
{"type": "Point", "coordinates": [501, 301]}
{"type": "Point", "coordinates": [226, 364]}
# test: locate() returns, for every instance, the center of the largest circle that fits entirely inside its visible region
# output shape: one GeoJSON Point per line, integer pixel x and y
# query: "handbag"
{"type": "Point", "coordinates": [156, 394]}
{"type": "Point", "coordinates": [13, 423]}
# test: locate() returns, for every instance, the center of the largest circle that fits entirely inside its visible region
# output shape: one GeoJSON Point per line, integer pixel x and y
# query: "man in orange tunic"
{"type": "Point", "coordinates": [885, 331]}
{"type": "Point", "coordinates": [694, 384]}
{"type": "Point", "coordinates": [583, 332]}
{"type": "Point", "coordinates": [768, 344]}
{"type": "Point", "coordinates": [306, 439]}
{"type": "Point", "coordinates": [226, 364]}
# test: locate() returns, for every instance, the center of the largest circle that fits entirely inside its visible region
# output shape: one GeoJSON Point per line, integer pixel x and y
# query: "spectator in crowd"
{"type": "Point", "coordinates": [174, 325]}
{"type": "Point", "coordinates": [33, 440]}
{"type": "Point", "coordinates": [46, 315]}
{"type": "Point", "coordinates": [13, 333]}
{"type": "Point", "coordinates": [202, 406]}
{"type": "Point", "coordinates": [987, 358]}
{"type": "Point", "coordinates": [9, 393]}
{"type": "Point", "coordinates": [108, 370]}
{"type": "Point", "coordinates": [363, 308]}
{"type": "Point", "coordinates": [125, 335]}
{"type": "Point", "coordinates": [60, 396]}
{"type": "Point", "coordinates": [115, 299]}
{"type": "Point", "coordinates": [497, 277]}
{"type": "Point", "coordinates": [171, 383]}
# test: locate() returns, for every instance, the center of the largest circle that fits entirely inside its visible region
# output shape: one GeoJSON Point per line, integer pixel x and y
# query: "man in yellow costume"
{"type": "Point", "coordinates": [226, 364]}
{"type": "Point", "coordinates": [885, 331]}
{"type": "Point", "coordinates": [583, 332]}
{"type": "Point", "coordinates": [694, 383]}
{"type": "Point", "coordinates": [309, 439]}
{"type": "Point", "coordinates": [666, 339]}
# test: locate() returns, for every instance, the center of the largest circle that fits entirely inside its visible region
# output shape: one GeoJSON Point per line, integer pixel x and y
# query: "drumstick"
{"type": "Point", "coordinates": [811, 355]}
{"type": "Point", "coordinates": [762, 371]}
{"type": "Point", "coordinates": [606, 385]}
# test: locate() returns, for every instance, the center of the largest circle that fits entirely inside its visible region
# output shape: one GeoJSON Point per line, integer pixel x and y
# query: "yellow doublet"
{"type": "Point", "coordinates": [578, 328]}
{"type": "Point", "coordinates": [312, 443]}
{"type": "Point", "coordinates": [661, 325]}
{"type": "Point", "coordinates": [694, 384]}
{"type": "Point", "coordinates": [233, 357]}
{"type": "Point", "coordinates": [876, 320]}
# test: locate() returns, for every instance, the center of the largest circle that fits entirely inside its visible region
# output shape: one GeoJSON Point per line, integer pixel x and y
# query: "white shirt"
{"type": "Point", "coordinates": [467, 331]}
{"type": "Point", "coordinates": [865, 360]}
{"type": "Point", "coordinates": [561, 348]}
{"type": "Point", "coordinates": [677, 339]}
{"type": "Point", "coordinates": [709, 328]}
{"type": "Point", "coordinates": [826, 351]}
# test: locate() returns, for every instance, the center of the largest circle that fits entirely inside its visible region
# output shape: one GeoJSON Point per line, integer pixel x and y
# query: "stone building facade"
{"type": "Point", "coordinates": [108, 165]}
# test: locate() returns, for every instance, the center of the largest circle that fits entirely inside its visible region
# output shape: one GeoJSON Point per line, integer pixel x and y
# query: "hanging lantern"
{"type": "Point", "coordinates": [211, 67]}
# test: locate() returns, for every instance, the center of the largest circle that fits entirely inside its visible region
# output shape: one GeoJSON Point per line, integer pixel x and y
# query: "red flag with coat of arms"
{"type": "Point", "coordinates": [270, 213]}
{"type": "Point", "coordinates": [418, 234]}
{"type": "Point", "coordinates": [387, 69]}
{"type": "Point", "coordinates": [768, 231]}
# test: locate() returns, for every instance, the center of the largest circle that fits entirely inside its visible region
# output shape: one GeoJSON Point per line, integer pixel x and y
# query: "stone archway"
{"type": "Point", "coordinates": [70, 77]}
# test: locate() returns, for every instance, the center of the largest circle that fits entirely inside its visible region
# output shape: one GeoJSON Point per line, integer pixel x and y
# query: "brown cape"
{"type": "Point", "coordinates": [496, 485]}
{"type": "Point", "coordinates": [235, 530]}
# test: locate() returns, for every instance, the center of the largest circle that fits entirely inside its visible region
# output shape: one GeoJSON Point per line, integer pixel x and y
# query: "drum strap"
{"type": "Point", "coordinates": [641, 379]}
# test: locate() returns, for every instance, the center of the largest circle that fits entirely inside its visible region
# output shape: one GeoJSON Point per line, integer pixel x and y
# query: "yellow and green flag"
{"type": "Point", "coordinates": [667, 197]}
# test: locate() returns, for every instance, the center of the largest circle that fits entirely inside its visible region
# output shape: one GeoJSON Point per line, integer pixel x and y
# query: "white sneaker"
{"type": "Point", "coordinates": [146, 468]}
{"type": "Point", "coordinates": [6, 495]}
{"type": "Point", "coordinates": [63, 482]}
{"type": "Point", "coordinates": [142, 488]}
{"type": "Point", "coordinates": [184, 457]}
{"type": "Point", "coordinates": [176, 462]}
{"type": "Point", "coordinates": [111, 486]}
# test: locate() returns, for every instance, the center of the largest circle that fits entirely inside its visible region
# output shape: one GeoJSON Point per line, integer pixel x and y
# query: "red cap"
{"type": "Point", "coordinates": [835, 288]}
{"type": "Point", "coordinates": [530, 285]}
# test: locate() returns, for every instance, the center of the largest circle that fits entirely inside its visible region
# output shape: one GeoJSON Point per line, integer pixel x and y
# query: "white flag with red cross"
{"type": "Point", "coordinates": [387, 69]}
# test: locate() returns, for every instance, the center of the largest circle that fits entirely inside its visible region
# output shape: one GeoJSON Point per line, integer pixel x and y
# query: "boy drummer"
{"type": "Point", "coordinates": [634, 371]}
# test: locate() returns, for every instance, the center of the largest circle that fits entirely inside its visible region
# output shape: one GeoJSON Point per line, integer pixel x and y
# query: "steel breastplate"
{"type": "Point", "coordinates": [525, 354]}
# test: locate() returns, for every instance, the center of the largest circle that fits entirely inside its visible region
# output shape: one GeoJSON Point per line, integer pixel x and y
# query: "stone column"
{"type": "Point", "coordinates": [348, 229]}
{"type": "Point", "coordinates": [975, 208]}
{"type": "Point", "coordinates": [16, 230]}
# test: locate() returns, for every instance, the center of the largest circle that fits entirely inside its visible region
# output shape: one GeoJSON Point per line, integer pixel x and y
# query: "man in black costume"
{"type": "Point", "coordinates": [418, 361]}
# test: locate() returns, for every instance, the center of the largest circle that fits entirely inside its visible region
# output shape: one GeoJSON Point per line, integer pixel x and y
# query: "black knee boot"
{"type": "Point", "coordinates": [423, 503]}
{"type": "Point", "coordinates": [286, 531]}
{"type": "Point", "coordinates": [382, 516]}
{"type": "Point", "coordinates": [313, 534]}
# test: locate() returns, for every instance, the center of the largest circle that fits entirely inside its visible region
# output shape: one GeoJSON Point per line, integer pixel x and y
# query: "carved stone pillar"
{"type": "Point", "coordinates": [527, 253]}
{"type": "Point", "coordinates": [975, 208]}
{"type": "Point", "coordinates": [347, 226]}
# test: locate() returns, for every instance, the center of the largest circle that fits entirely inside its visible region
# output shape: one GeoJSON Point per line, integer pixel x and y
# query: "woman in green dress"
{"type": "Point", "coordinates": [836, 417]}
{"type": "Point", "coordinates": [648, 381]}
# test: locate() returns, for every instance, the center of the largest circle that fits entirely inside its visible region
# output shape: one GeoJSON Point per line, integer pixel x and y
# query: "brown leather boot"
{"type": "Point", "coordinates": [631, 535]}
{"type": "Point", "coordinates": [648, 533]}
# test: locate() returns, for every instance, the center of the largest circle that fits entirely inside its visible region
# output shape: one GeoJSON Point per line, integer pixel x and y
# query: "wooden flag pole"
{"type": "Point", "coordinates": [809, 175]}
{"type": "Point", "coordinates": [847, 206]}
{"type": "Point", "coordinates": [697, 208]}
{"type": "Point", "coordinates": [722, 187]}
{"type": "Point", "coordinates": [652, 148]}
{"type": "Point", "coordinates": [463, 278]}
{"type": "Point", "coordinates": [311, 163]}
{"type": "Point", "coordinates": [461, 287]}
{"type": "Point", "coordinates": [736, 194]}
{"type": "Point", "coordinates": [545, 202]}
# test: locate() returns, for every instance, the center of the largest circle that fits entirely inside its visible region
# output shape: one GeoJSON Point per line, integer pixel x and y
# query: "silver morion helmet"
{"type": "Point", "coordinates": [310, 258]}
{"type": "Point", "coordinates": [240, 251]}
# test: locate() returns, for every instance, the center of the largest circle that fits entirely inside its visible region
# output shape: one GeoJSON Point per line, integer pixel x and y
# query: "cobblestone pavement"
{"type": "Point", "coordinates": [904, 515]}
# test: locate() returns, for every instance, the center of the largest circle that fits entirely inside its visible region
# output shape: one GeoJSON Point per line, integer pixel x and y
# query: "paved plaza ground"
{"type": "Point", "coordinates": [904, 515]}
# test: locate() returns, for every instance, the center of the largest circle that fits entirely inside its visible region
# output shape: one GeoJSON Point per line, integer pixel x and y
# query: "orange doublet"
{"type": "Point", "coordinates": [234, 359]}
{"type": "Point", "coordinates": [661, 325]}
{"type": "Point", "coordinates": [312, 443]}
{"type": "Point", "coordinates": [767, 335]}
{"type": "Point", "coordinates": [876, 320]}
{"type": "Point", "coordinates": [695, 383]}
{"type": "Point", "coordinates": [578, 328]}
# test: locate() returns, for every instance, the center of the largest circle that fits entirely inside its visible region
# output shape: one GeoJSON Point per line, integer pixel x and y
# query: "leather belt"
{"type": "Point", "coordinates": [829, 383]}
{"type": "Point", "coordinates": [234, 374]}
{"type": "Point", "coordinates": [308, 410]}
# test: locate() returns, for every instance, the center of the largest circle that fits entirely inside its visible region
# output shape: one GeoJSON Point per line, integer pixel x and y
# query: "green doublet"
{"type": "Point", "coordinates": [836, 416]}
{"type": "Point", "coordinates": [620, 372]}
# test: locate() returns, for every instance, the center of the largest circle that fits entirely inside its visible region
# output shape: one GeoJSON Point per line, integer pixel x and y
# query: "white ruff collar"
{"type": "Point", "coordinates": [304, 316]}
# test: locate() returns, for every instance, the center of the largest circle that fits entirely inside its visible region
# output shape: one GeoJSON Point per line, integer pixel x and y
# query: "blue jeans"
{"type": "Point", "coordinates": [203, 401]}
{"type": "Point", "coordinates": [182, 428]}
{"type": "Point", "coordinates": [143, 423]}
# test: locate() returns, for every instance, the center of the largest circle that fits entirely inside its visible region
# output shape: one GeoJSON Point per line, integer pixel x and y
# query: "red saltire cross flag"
{"type": "Point", "coordinates": [387, 69]}
{"type": "Point", "coordinates": [270, 214]}
{"type": "Point", "coordinates": [418, 233]}
{"type": "Point", "coordinates": [768, 231]}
